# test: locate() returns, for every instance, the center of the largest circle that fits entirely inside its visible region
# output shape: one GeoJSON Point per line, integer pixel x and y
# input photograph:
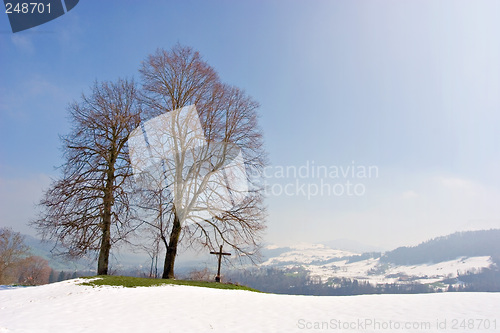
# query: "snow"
{"type": "Point", "coordinates": [69, 307]}
{"type": "Point", "coordinates": [425, 273]}
{"type": "Point", "coordinates": [4, 287]}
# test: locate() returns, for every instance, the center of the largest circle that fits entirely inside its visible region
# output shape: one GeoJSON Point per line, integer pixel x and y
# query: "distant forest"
{"type": "Point", "coordinates": [459, 244]}
{"type": "Point", "coordinates": [298, 281]}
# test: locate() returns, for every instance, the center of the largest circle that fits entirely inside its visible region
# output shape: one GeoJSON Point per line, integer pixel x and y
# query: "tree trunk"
{"type": "Point", "coordinates": [102, 264]}
{"type": "Point", "coordinates": [168, 268]}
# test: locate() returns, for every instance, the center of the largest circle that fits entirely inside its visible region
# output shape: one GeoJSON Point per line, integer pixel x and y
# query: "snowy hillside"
{"type": "Point", "coordinates": [322, 261]}
{"type": "Point", "coordinates": [305, 254]}
{"type": "Point", "coordinates": [68, 307]}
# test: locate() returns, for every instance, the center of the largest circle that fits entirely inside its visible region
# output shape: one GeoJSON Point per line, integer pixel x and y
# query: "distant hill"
{"type": "Point", "coordinates": [463, 261]}
{"type": "Point", "coordinates": [460, 244]}
{"type": "Point", "coordinates": [352, 246]}
{"type": "Point", "coordinates": [45, 250]}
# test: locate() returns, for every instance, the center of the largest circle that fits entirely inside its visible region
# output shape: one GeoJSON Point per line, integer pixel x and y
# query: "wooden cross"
{"type": "Point", "coordinates": [220, 254]}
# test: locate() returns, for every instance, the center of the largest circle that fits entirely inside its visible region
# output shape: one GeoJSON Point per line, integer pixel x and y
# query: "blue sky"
{"type": "Point", "coordinates": [412, 87]}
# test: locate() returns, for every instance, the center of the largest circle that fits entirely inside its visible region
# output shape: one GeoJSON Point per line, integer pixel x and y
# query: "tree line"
{"type": "Point", "coordinates": [298, 281]}
{"type": "Point", "coordinates": [17, 264]}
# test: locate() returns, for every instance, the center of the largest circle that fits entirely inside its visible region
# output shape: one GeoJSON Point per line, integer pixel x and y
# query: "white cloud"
{"type": "Point", "coordinates": [438, 205]}
{"type": "Point", "coordinates": [455, 183]}
{"type": "Point", "coordinates": [23, 43]}
{"type": "Point", "coordinates": [409, 194]}
{"type": "Point", "coordinates": [404, 209]}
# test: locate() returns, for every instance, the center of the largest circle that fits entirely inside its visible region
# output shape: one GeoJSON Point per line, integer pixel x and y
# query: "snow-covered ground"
{"type": "Point", "coordinates": [68, 307]}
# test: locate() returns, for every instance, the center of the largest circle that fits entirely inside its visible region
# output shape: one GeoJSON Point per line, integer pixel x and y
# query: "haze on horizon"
{"type": "Point", "coordinates": [410, 89]}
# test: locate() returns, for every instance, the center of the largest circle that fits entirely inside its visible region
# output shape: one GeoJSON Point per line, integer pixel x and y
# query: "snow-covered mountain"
{"type": "Point", "coordinates": [302, 254]}
{"type": "Point", "coordinates": [324, 262]}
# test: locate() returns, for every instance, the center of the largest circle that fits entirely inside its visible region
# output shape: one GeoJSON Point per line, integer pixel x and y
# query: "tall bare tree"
{"type": "Point", "coordinates": [12, 251]}
{"type": "Point", "coordinates": [87, 209]}
{"type": "Point", "coordinates": [194, 199]}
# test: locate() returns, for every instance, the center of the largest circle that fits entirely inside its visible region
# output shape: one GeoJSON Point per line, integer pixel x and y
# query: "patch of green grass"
{"type": "Point", "coordinates": [131, 282]}
{"type": "Point", "coordinates": [438, 284]}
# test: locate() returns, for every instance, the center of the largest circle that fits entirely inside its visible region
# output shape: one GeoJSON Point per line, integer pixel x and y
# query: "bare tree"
{"type": "Point", "coordinates": [88, 208]}
{"type": "Point", "coordinates": [33, 271]}
{"type": "Point", "coordinates": [200, 274]}
{"type": "Point", "coordinates": [205, 126]}
{"type": "Point", "coordinates": [12, 251]}
{"type": "Point", "coordinates": [153, 209]}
